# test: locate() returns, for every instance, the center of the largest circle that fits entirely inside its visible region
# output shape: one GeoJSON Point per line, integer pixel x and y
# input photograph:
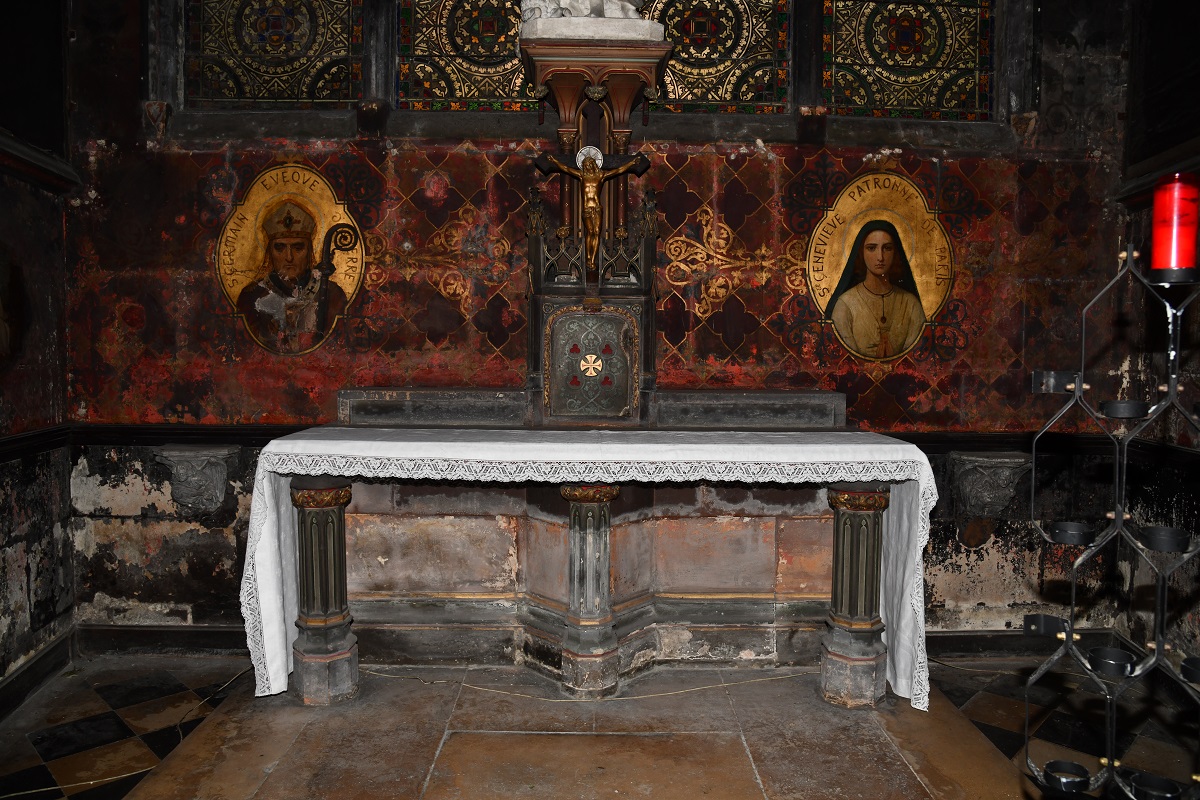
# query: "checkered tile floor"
{"type": "Point", "coordinates": [94, 732]}
{"type": "Point", "coordinates": [97, 730]}
{"type": "Point", "coordinates": [1156, 729]}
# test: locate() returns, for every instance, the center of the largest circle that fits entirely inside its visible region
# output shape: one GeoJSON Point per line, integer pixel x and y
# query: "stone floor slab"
{"type": "Point", "coordinates": [679, 766]}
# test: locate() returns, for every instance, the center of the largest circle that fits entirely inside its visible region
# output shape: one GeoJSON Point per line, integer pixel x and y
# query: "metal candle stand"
{"type": "Point", "coordinates": [1164, 550]}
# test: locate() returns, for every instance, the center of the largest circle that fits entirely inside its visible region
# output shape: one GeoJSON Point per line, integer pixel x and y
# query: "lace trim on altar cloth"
{"type": "Point", "coordinates": [589, 471]}
{"type": "Point", "coordinates": [916, 600]}
{"type": "Point", "coordinates": [251, 609]}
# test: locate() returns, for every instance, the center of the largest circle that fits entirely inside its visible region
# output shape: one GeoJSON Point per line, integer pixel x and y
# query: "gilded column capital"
{"type": "Point", "coordinates": [321, 498]}
{"type": "Point", "coordinates": [859, 499]}
{"type": "Point", "coordinates": [589, 492]}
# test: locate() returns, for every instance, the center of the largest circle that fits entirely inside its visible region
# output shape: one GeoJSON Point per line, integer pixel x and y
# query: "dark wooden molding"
{"type": "Point", "coordinates": [155, 435]}
{"type": "Point", "coordinates": [1013, 643]}
{"type": "Point", "coordinates": [33, 443]}
{"type": "Point", "coordinates": [942, 442]}
{"type": "Point", "coordinates": [36, 167]}
{"type": "Point", "coordinates": [932, 443]}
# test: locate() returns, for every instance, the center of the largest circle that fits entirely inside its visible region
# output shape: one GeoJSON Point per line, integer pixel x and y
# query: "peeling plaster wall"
{"type": "Point", "coordinates": [988, 572]}
{"type": "Point", "coordinates": [1164, 494]}
{"type": "Point", "coordinates": [37, 588]}
{"type": "Point", "coordinates": [141, 557]}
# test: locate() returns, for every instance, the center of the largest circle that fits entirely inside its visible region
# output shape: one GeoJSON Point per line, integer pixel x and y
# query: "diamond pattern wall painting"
{"type": "Point", "coordinates": [271, 53]}
{"type": "Point", "coordinates": [460, 55]}
{"type": "Point", "coordinates": [730, 55]}
{"type": "Point", "coordinates": [913, 59]}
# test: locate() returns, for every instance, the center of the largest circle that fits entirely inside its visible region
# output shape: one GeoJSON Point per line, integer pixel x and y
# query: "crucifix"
{"type": "Point", "coordinates": [592, 169]}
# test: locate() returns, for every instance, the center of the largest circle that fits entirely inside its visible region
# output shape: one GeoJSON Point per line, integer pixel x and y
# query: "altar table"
{"type": "Point", "coordinates": [269, 590]}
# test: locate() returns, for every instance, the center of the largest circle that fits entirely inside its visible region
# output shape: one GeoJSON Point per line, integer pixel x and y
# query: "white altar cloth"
{"type": "Point", "coordinates": [268, 593]}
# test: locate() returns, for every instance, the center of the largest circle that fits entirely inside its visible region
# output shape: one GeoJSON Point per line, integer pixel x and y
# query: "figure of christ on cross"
{"type": "Point", "coordinates": [591, 174]}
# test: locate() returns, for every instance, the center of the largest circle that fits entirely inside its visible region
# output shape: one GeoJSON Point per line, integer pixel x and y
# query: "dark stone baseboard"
{"type": "Point", "coordinates": [225, 640]}
{"type": "Point", "coordinates": [1005, 643]}
{"type": "Point", "coordinates": [28, 677]}
{"type": "Point", "coordinates": [444, 645]}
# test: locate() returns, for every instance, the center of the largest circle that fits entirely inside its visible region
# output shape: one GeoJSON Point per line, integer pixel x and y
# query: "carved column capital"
{"type": "Point", "coordinates": [309, 494]}
{"type": "Point", "coordinates": [846, 497]}
{"type": "Point", "coordinates": [985, 483]}
{"type": "Point", "coordinates": [589, 492]}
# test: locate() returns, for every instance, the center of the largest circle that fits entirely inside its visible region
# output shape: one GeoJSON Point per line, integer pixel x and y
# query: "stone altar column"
{"type": "Point", "coordinates": [325, 654]}
{"type": "Point", "coordinates": [854, 658]}
{"type": "Point", "coordinates": [589, 651]}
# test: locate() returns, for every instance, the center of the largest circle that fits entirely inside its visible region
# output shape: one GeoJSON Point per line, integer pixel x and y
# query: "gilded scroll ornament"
{"type": "Point", "coordinates": [720, 251]}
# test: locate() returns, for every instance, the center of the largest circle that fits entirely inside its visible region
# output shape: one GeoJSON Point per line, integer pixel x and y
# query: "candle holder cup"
{"type": "Point", "coordinates": [1147, 786]}
{"type": "Point", "coordinates": [1164, 539]}
{"type": "Point", "coordinates": [1065, 776]}
{"type": "Point", "coordinates": [1124, 409]}
{"type": "Point", "coordinates": [1112, 662]}
{"type": "Point", "coordinates": [1078, 533]}
{"type": "Point", "coordinates": [1173, 277]}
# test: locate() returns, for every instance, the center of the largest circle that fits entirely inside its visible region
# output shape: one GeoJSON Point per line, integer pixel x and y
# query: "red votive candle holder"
{"type": "Point", "coordinates": [1176, 213]}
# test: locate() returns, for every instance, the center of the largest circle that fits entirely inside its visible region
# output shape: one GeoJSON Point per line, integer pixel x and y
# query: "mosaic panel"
{"type": "Point", "coordinates": [729, 56]}
{"type": "Point", "coordinates": [298, 53]}
{"type": "Point", "coordinates": [460, 55]}
{"type": "Point", "coordinates": [929, 60]}
{"type": "Point", "coordinates": [463, 55]}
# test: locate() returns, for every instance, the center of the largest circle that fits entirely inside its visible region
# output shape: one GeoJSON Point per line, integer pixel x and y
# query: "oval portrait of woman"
{"type": "Point", "coordinates": [879, 266]}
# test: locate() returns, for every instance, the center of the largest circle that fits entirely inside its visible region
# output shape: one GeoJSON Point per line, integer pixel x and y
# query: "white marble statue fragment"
{"type": "Point", "coordinates": [547, 9]}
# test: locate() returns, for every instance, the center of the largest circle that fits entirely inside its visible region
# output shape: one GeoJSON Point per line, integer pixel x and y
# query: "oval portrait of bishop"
{"type": "Point", "coordinates": [290, 259]}
{"type": "Point", "coordinates": [880, 266]}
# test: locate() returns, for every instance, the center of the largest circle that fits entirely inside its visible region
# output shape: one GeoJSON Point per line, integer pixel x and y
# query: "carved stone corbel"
{"type": "Point", "coordinates": [985, 483]}
{"type": "Point", "coordinates": [199, 474]}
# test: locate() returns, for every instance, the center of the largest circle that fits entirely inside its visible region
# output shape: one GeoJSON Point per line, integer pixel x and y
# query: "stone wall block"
{"type": "Point", "coordinates": [805, 557]}
{"type": "Point", "coordinates": [720, 554]}
{"type": "Point", "coordinates": [407, 555]}
{"type": "Point", "coordinates": [632, 554]}
{"type": "Point", "coordinates": [544, 558]}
